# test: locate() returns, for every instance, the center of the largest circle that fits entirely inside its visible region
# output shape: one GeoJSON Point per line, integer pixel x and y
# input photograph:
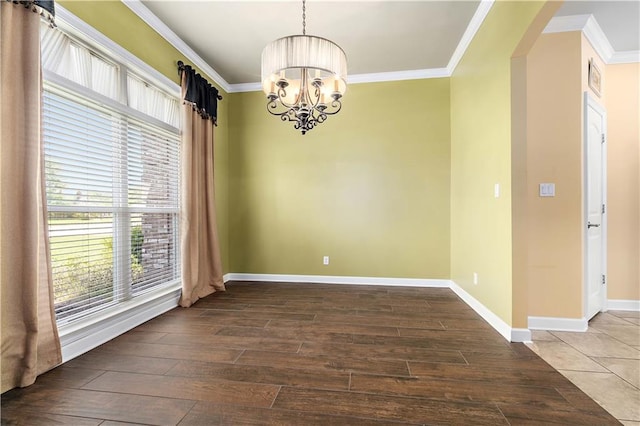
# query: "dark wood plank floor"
{"type": "Point", "coordinates": [307, 354]}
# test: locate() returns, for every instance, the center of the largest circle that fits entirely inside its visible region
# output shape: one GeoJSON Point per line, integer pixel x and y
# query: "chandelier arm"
{"type": "Point", "coordinates": [269, 108]}
{"type": "Point", "coordinates": [288, 115]}
{"type": "Point", "coordinates": [335, 104]}
{"type": "Point", "coordinates": [272, 106]}
{"type": "Point", "coordinates": [282, 93]}
{"type": "Point", "coordinates": [317, 95]}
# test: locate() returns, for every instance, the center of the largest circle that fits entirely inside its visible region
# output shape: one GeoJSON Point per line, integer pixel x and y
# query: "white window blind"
{"type": "Point", "coordinates": [112, 179]}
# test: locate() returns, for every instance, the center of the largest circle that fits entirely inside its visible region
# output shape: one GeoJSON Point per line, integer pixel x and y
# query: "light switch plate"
{"type": "Point", "coordinates": [547, 189]}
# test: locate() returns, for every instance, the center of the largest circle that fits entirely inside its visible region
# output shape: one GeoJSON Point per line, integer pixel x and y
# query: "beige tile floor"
{"type": "Point", "coordinates": [604, 361]}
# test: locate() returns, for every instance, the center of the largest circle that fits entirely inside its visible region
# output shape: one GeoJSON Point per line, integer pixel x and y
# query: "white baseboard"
{"type": "Point", "coordinates": [558, 324]}
{"type": "Point", "coordinates": [329, 279]}
{"type": "Point", "coordinates": [521, 335]}
{"type": "Point", "coordinates": [83, 336]}
{"type": "Point", "coordinates": [623, 305]}
{"type": "Point", "coordinates": [509, 333]}
{"type": "Point", "coordinates": [579, 324]}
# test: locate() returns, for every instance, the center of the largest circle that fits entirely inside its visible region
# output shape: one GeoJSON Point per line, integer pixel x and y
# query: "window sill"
{"type": "Point", "coordinates": [88, 333]}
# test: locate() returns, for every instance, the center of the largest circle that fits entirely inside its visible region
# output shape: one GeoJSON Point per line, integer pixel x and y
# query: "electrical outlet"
{"type": "Point", "coordinates": [325, 260]}
{"type": "Point", "coordinates": [475, 278]}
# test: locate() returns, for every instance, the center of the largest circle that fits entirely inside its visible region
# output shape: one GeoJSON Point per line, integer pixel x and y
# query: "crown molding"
{"type": "Point", "coordinates": [161, 28]}
{"type": "Point", "coordinates": [625, 57]}
{"type": "Point", "coordinates": [598, 39]}
{"type": "Point", "coordinates": [474, 25]}
{"type": "Point", "coordinates": [589, 27]}
{"type": "Point", "coordinates": [594, 34]}
{"type": "Point", "coordinates": [398, 75]}
{"type": "Point", "coordinates": [245, 87]}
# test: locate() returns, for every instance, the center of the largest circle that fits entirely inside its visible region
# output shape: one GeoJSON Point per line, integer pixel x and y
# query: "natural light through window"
{"type": "Point", "coordinates": [112, 155]}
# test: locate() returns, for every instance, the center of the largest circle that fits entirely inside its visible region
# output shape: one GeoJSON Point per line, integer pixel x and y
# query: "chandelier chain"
{"type": "Point", "coordinates": [304, 17]}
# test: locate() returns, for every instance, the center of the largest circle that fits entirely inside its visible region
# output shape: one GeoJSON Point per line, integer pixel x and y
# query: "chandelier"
{"type": "Point", "coordinates": [304, 78]}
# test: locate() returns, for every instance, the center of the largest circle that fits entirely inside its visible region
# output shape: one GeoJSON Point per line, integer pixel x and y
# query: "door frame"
{"type": "Point", "coordinates": [590, 101]}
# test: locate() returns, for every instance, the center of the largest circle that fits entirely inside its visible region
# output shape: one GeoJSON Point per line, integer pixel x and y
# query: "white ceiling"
{"type": "Point", "coordinates": [377, 36]}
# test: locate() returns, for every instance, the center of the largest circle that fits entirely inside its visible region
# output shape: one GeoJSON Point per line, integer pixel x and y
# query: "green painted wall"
{"type": "Point", "coordinates": [369, 187]}
{"type": "Point", "coordinates": [116, 21]}
{"type": "Point", "coordinates": [481, 239]}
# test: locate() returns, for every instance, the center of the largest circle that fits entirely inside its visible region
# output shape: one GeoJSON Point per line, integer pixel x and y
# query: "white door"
{"type": "Point", "coordinates": [595, 184]}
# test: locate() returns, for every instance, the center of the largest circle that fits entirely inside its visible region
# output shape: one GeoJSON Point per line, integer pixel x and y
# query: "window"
{"type": "Point", "coordinates": [112, 155]}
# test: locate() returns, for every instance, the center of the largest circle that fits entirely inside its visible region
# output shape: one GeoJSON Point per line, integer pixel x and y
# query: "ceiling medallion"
{"type": "Point", "coordinates": [304, 78]}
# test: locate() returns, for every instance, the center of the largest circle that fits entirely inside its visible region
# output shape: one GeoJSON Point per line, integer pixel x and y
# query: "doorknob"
{"type": "Point", "coordinates": [592, 225]}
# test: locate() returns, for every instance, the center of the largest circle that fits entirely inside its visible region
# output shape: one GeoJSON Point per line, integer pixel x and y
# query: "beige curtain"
{"type": "Point", "coordinates": [201, 264]}
{"type": "Point", "coordinates": [30, 344]}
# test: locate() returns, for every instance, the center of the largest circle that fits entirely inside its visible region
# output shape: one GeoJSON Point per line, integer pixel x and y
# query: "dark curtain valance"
{"type": "Point", "coordinates": [46, 8]}
{"type": "Point", "coordinates": [200, 94]}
